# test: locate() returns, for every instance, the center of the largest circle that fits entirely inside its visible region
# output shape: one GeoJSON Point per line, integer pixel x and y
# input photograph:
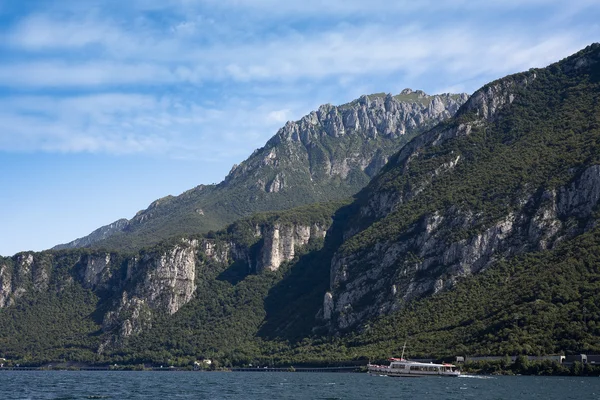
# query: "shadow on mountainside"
{"type": "Point", "coordinates": [293, 303]}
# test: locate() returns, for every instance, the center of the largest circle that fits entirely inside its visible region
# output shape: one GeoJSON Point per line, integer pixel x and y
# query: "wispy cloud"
{"type": "Point", "coordinates": [161, 76]}
{"type": "Point", "coordinates": [119, 123]}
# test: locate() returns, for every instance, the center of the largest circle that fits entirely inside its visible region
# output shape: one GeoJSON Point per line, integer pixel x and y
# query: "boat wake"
{"type": "Point", "coordinates": [475, 376]}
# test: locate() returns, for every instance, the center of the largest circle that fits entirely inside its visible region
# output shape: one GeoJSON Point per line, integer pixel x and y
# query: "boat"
{"type": "Point", "coordinates": [407, 368]}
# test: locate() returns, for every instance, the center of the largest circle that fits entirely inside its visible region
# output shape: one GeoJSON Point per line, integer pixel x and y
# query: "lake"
{"type": "Point", "coordinates": [282, 385]}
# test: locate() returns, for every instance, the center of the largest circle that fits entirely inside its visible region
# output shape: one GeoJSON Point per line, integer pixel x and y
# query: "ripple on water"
{"type": "Point", "coordinates": [254, 386]}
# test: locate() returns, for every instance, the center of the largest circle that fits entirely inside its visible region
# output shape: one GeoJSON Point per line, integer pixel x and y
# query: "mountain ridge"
{"type": "Point", "coordinates": [329, 154]}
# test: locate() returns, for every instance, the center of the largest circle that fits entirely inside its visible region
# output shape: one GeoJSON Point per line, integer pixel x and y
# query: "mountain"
{"type": "Point", "coordinates": [478, 237]}
{"type": "Point", "coordinates": [517, 170]}
{"type": "Point", "coordinates": [327, 155]}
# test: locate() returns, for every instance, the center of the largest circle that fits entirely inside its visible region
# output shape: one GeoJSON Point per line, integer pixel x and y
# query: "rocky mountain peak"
{"type": "Point", "coordinates": [328, 154]}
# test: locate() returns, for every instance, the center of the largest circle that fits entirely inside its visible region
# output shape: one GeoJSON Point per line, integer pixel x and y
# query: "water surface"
{"type": "Point", "coordinates": [278, 385]}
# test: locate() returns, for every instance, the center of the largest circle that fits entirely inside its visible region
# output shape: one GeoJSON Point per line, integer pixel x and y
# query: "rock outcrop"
{"type": "Point", "coordinates": [376, 117]}
{"type": "Point", "coordinates": [97, 269]}
{"type": "Point", "coordinates": [274, 243]}
{"type": "Point", "coordinates": [22, 274]}
{"type": "Point", "coordinates": [160, 282]}
{"type": "Point", "coordinates": [281, 243]}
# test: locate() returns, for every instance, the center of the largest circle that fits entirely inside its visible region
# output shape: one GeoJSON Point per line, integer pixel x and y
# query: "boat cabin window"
{"type": "Point", "coordinates": [400, 366]}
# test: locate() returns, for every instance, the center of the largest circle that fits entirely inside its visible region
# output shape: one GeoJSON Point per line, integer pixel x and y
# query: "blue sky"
{"type": "Point", "coordinates": [108, 105]}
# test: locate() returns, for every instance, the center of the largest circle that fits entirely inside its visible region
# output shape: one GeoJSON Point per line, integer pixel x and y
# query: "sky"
{"type": "Point", "coordinates": [106, 106]}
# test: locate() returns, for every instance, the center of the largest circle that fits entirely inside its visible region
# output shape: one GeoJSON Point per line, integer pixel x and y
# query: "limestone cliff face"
{"type": "Point", "coordinates": [21, 274]}
{"type": "Point", "coordinates": [5, 284]}
{"type": "Point", "coordinates": [96, 270]}
{"type": "Point", "coordinates": [169, 283]}
{"type": "Point", "coordinates": [281, 243]}
{"type": "Point", "coordinates": [160, 282]}
{"type": "Point", "coordinates": [274, 244]}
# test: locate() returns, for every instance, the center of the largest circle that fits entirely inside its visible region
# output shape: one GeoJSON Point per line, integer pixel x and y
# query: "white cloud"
{"type": "Point", "coordinates": [42, 31]}
{"type": "Point", "coordinates": [57, 74]}
{"type": "Point", "coordinates": [351, 51]}
{"type": "Point", "coordinates": [278, 116]}
{"type": "Point", "coordinates": [170, 86]}
{"type": "Point", "coordinates": [118, 123]}
{"type": "Point", "coordinates": [349, 7]}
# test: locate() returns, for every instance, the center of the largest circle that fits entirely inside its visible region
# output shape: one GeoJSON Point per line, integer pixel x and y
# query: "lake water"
{"type": "Point", "coordinates": [255, 385]}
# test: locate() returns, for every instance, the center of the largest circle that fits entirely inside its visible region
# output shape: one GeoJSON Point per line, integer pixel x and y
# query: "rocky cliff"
{"type": "Point", "coordinates": [133, 290]}
{"type": "Point", "coordinates": [21, 275]}
{"type": "Point", "coordinates": [493, 182]}
{"type": "Point", "coordinates": [327, 155]}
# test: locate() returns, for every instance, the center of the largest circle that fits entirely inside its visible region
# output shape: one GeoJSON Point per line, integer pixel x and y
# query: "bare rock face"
{"type": "Point", "coordinates": [374, 117]}
{"type": "Point", "coordinates": [487, 101]}
{"type": "Point", "coordinates": [163, 283]}
{"type": "Point", "coordinates": [5, 284]}
{"type": "Point", "coordinates": [97, 270]}
{"type": "Point", "coordinates": [169, 283]}
{"type": "Point", "coordinates": [131, 317]}
{"type": "Point", "coordinates": [327, 306]}
{"type": "Point", "coordinates": [216, 252]}
{"type": "Point", "coordinates": [23, 274]}
{"type": "Point", "coordinates": [282, 241]}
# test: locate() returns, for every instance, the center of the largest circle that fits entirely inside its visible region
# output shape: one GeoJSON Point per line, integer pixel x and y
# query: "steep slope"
{"type": "Point", "coordinates": [516, 170]}
{"type": "Point", "coordinates": [84, 305]}
{"type": "Point", "coordinates": [545, 302]}
{"type": "Point", "coordinates": [328, 155]}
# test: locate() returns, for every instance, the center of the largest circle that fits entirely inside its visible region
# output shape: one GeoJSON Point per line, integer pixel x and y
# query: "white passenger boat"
{"type": "Point", "coordinates": [405, 368]}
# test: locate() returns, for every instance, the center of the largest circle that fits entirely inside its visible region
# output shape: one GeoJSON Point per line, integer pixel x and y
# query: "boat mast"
{"type": "Point", "coordinates": [403, 347]}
